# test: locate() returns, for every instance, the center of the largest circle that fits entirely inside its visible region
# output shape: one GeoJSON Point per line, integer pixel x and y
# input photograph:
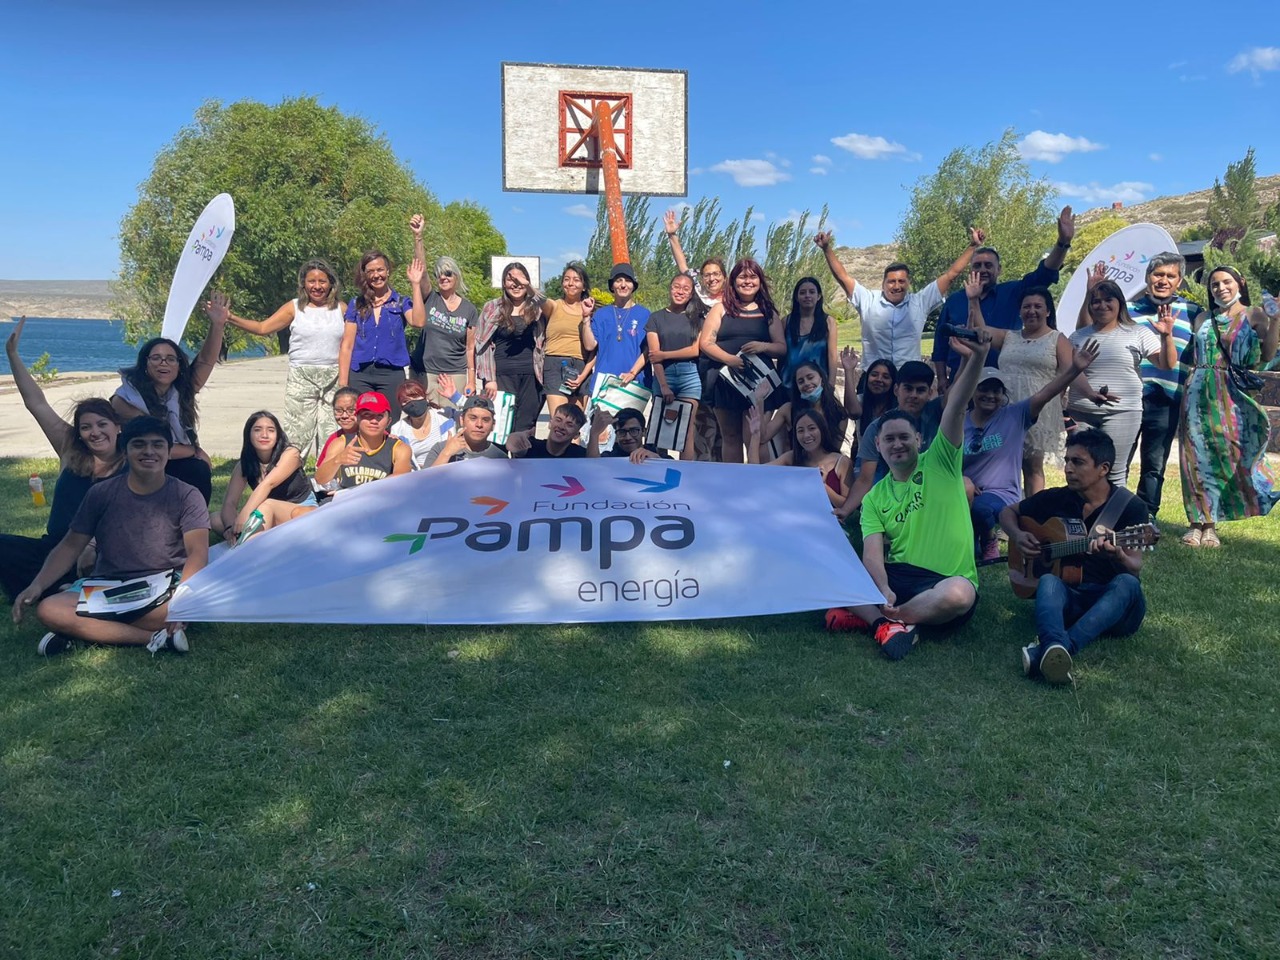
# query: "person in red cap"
{"type": "Point", "coordinates": [371, 454]}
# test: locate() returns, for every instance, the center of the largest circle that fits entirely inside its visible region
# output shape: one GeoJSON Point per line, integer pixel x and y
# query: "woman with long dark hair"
{"type": "Point", "coordinates": [810, 390]}
{"type": "Point", "coordinates": [162, 383]}
{"type": "Point", "coordinates": [87, 453]}
{"type": "Point", "coordinates": [812, 445]}
{"type": "Point", "coordinates": [810, 333]}
{"type": "Point", "coordinates": [671, 340]}
{"type": "Point", "coordinates": [509, 346]}
{"type": "Point", "coordinates": [374, 350]}
{"type": "Point", "coordinates": [1222, 441]}
{"type": "Point", "coordinates": [566, 365]}
{"type": "Point", "coordinates": [314, 319]}
{"type": "Point", "coordinates": [746, 321]}
{"type": "Point", "coordinates": [868, 396]}
{"type": "Point", "coordinates": [270, 467]}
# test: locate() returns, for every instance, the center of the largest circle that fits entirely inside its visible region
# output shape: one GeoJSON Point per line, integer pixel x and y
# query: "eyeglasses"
{"type": "Point", "coordinates": [629, 431]}
{"type": "Point", "coordinates": [344, 413]}
{"type": "Point", "coordinates": [162, 360]}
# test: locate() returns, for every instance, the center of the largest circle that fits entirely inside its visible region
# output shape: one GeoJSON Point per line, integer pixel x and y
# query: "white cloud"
{"type": "Point", "coordinates": [758, 216]}
{"type": "Point", "coordinates": [581, 210]}
{"type": "Point", "coordinates": [751, 173]}
{"type": "Point", "coordinates": [697, 172]}
{"type": "Point", "coordinates": [1127, 191]}
{"type": "Point", "coordinates": [820, 171]}
{"type": "Point", "coordinates": [1178, 64]}
{"type": "Point", "coordinates": [1256, 60]}
{"type": "Point", "coordinates": [569, 256]}
{"type": "Point", "coordinates": [1155, 157]}
{"type": "Point", "coordinates": [780, 161]}
{"type": "Point", "coordinates": [873, 148]}
{"type": "Point", "coordinates": [822, 158]}
{"type": "Point", "coordinates": [1052, 147]}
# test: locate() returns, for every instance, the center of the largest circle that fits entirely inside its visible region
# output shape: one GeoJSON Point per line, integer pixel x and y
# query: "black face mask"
{"type": "Point", "coordinates": [415, 408]}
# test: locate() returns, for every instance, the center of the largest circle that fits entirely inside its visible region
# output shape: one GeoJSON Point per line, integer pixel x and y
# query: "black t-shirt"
{"type": "Point", "coordinates": [513, 352]}
{"type": "Point", "coordinates": [538, 451]}
{"type": "Point", "coordinates": [616, 451]}
{"type": "Point", "coordinates": [674, 330]}
{"type": "Point", "coordinates": [1066, 503]}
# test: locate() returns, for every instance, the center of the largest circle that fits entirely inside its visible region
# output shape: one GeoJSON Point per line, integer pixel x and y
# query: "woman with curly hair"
{"type": "Point", "coordinates": [163, 384]}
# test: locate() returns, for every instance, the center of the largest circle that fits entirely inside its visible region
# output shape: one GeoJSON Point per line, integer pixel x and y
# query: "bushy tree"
{"type": "Point", "coordinates": [307, 181]}
{"type": "Point", "coordinates": [991, 188]}
{"type": "Point", "coordinates": [1234, 205]}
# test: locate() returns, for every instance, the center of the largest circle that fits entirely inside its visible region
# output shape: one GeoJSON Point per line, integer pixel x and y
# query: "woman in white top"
{"type": "Point", "coordinates": [315, 325]}
{"type": "Point", "coordinates": [1029, 359]}
{"type": "Point", "coordinates": [420, 427]}
{"type": "Point", "coordinates": [1109, 394]}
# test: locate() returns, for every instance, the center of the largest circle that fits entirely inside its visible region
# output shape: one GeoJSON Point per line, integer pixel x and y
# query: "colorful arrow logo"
{"type": "Point", "coordinates": [493, 503]}
{"type": "Point", "coordinates": [416, 540]}
{"type": "Point", "coordinates": [570, 488]}
{"type": "Point", "coordinates": [657, 486]}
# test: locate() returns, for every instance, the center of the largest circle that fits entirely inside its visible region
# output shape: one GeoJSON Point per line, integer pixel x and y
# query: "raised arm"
{"type": "Point", "coordinates": [589, 341]}
{"type": "Point", "coordinates": [56, 430]}
{"type": "Point", "coordinates": [976, 239]}
{"type": "Point", "coordinates": [218, 310]}
{"type": "Point", "coordinates": [973, 291]}
{"type": "Point", "coordinates": [1166, 358]}
{"type": "Point", "coordinates": [1066, 232]}
{"type": "Point", "coordinates": [1091, 280]}
{"type": "Point", "coordinates": [416, 223]}
{"type": "Point", "coordinates": [672, 225]}
{"type": "Point", "coordinates": [972, 357]}
{"type": "Point", "coordinates": [417, 317]}
{"type": "Point", "coordinates": [824, 240]}
{"type": "Point", "coordinates": [263, 328]}
{"type": "Point", "coordinates": [1079, 363]}
{"type": "Point", "coordinates": [852, 402]}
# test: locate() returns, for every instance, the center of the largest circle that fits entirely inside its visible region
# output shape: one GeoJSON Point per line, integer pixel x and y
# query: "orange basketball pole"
{"type": "Point", "coordinates": [612, 185]}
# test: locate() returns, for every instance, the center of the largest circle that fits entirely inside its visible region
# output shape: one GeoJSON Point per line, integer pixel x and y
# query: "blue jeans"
{"type": "Point", "coordinates": [1076, 616]}
{"type": "Point", "coordinates": [985, 511]}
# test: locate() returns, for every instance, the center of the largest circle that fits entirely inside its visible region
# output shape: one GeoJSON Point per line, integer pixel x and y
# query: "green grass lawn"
{"type": "Point", "coordinates": [737, 788]}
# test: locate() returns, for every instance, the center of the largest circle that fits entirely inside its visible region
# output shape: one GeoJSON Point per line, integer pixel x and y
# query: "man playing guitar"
{"type": "Point", "coordinates": [1108, 598]}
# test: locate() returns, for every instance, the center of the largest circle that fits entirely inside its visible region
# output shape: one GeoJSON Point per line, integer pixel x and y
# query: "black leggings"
{"type": "Point", "coordinates": [528, 394]}
{"type": "Point", "coordinates": [194, 471]}
{"type": "Point", "coordinates": [384, 380]}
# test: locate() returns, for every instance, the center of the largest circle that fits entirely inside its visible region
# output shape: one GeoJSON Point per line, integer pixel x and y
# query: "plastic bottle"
{"type": "Point", "coordinates": [1269, 305]}
{"type": "Point", "coordinates": [37, 490]}
{"type": "Point", "coordinates": [251, 526]}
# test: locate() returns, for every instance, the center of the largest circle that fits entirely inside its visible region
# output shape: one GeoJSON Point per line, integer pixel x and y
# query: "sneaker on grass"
{"type": "Point", "coordinates": [52, 644]}
{"type": "Point", "coordinates": [895, 638]}
{"type": "Point", "coordinates": [162, 639]}
{"type": "Point", "coordinates": [1055, 664]}
{"type": "Point", "coordinates": [1031, 659]}
{"type": "Point", "coordinates": [990, 552]}
{"type": "Point", "coordinates": [841, 619]}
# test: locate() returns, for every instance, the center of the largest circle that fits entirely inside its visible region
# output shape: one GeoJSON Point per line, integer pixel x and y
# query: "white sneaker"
{"type": "Point", "coordinates": [162, 639]}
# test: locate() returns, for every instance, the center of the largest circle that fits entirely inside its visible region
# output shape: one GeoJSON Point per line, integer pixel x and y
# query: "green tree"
{"type": "Point", "coordinates": [307, 181]}
{"type": "Point", "coordinates": [1087, 237]}
{"type": "Point", "coordinates": [991, 188]}
{"type": "Point", "coordinates": [1234, 204]}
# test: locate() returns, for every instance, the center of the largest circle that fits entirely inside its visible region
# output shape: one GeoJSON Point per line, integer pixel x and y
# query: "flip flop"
{"type": "Point", "coordinates": [1193, 537]}
{"type": "Point", "coordinates": [1210, 539]}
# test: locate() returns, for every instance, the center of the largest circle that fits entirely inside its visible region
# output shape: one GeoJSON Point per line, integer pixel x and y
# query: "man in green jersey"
{"type": "Point", "coordinates": [920, 513]}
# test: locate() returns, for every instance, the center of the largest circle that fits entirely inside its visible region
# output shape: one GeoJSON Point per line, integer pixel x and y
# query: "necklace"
{"type": "Point", "coordinates": [621, 319]}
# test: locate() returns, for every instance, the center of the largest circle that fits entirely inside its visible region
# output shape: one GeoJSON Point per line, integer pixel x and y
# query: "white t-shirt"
{"type": "Point", "coordinates": [893, 331]}
{"type": "Point", "coordinates": [1122, 350]}
{"type": "Point", "coordinates": [418, 449]}
{"type": "Point", "coordinates": [315, 335]}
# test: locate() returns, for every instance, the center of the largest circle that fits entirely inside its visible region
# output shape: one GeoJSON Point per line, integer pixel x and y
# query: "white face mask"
{"type": "Point", "coordinates": [1228, 303]}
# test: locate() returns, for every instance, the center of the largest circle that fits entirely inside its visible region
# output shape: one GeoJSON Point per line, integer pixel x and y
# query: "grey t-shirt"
{"type": "Point", "coordinates": [930, 418]}
{"type": "Point", "coordinates": [443, 345]}
{"type": "Point", "coordinates": [140, 535]}
{"type": "Point", "coordinates": [493, 451]}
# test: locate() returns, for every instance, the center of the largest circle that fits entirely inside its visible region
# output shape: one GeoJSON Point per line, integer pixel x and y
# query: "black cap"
{"type": "Point", "coordinates": [623, 270]}
{"type": "Point", "coordinates": [477, 401]}
{"type": "Point", "coordinates": [915, 371]}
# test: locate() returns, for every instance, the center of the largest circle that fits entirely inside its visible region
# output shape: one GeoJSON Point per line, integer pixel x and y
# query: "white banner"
{"type": "Point", "coordinates": [206, 246]}
{"type": "Point", "coordinates": [1125, 253]}
{"type": "Point", "coordinates": [545, 541]}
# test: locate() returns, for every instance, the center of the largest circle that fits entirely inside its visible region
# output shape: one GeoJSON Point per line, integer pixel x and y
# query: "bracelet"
{"type": "Point", "coordinates": [1062, 246]}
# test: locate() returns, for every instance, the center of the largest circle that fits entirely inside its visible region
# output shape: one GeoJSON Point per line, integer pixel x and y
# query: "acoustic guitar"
{"type": "Point", "coordinates": [1063, 545]}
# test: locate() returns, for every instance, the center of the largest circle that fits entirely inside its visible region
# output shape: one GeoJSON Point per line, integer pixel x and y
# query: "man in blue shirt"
{"type": "Point", "coordinates": [1000, 301]}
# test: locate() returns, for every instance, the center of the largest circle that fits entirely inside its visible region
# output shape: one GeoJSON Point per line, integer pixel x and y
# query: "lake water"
{"type": "Point", "coordinates": [79, 344]}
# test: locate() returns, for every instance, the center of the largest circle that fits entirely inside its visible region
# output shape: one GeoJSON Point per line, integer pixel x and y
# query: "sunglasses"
{"type": "Point", "coordinates": [444, 274]}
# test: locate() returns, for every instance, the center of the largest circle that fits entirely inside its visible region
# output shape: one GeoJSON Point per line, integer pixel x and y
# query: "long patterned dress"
{"type": "Point", "coordinates": [1222, 440]}
{"type": "Point", "coordinates": [1030, 365]}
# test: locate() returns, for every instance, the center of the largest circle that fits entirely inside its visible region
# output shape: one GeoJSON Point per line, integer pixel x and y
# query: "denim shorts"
{"type": "Point", "coordinates": [309, 500]}
{"type": "Point", "coordinates": [684, 380]}
{"type": "Point", "coordinates": [556, 370]}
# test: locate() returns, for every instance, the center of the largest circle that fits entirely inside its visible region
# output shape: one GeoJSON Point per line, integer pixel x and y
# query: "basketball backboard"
{"type": "Point", "coordinates": [546, 125]}
{"type": "Point", "coordinates": [498, 264]}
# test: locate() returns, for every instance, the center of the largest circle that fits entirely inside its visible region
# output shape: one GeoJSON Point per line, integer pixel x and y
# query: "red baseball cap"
{"type": "Point", "coordinates": [373, 402]}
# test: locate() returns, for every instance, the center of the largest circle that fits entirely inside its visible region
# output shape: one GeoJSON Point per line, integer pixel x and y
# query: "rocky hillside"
{"type": "Point", "coordinates": [79, 299]}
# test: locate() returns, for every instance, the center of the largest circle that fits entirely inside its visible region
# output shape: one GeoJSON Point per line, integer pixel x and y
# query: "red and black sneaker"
{"type": "Point", "coordinates": [842, 619]}
{"type": "Point", "coordinates": [895, 638]}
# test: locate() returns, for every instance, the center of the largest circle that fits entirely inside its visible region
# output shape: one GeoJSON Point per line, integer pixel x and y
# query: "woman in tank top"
{"type": "Point", "coordinates": [745, 321]}
{"type": "Point", "coordinates": [566, 370]}
{"type": "Point", "coordinates": [315, 325]}
{"type": "Point", "coordinates": [812, 445]}
{"type": "Point", "coordinates": [271, 468]}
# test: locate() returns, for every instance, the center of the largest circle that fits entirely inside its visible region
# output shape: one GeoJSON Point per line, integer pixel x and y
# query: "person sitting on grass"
{"type": "Point", "coordinates": [471, 441]}
{"type": "Point", "coordinates": [562, 430]}
{"type": "Point", "coordinates": [271, 468]}
{"type": "Point", "coordinates": [810, 390]}
{"type": "Point", "coordinates": [812, 445]}
{"type": "Point", "coordinates": [1109, 597]}
{"type": "Point", "coordinates": [920, 512]}
{"type": "Point", "coordinates": [628, 436]}
{"type": "Point", "coordinates": [144, 523]}
{"type": "Point", "coordinates": [421, 427]}
{"type": "Point", "coordinates": [371, 454]}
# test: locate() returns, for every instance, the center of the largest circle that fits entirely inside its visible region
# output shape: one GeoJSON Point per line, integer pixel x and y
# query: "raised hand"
{"type": "Point", "coordinates": [445, 384]}
{"type": "Point", "coordinates": [218, 307]}
{"type": "Point", "coordinates": [849, 359]}
{"type": "Point", "coordinates": [601, 420]}
{"type": "Point", "coordinates": [823, 239]}
{"type": "Point", "coordinates": [416, 271]}
{"type": "Point", "coordinates": [973, 286]}
{"type": "Point", "coordinates": [491, 389]}
{"type": "Point", "coordinates": [977, 236]}
{"type": "Point", "coordinates": [1082, 358]}
{"type": "Point", "coordinates": [351, 455]}
{"type": "Point", "coordinates": [671, 222]}
{"type": "Point", "coordinates": [588, 305]}
{"type": "Point", "coordinates": [753, 421]}
{"type": "Point", "coordinates": [1163, 323]}
{"type": "Point", "coordinates": [1096, 275]}
{"type": "Point", "coordinates": [1066, 225]}
{"type": "Point", "coordinates": [416, 223]}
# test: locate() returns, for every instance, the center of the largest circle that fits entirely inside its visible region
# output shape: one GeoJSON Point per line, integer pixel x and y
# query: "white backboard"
{"type": "Point", "coordinates": [498, 264]}
{"type": "Point", "coordinates": [533, 128]}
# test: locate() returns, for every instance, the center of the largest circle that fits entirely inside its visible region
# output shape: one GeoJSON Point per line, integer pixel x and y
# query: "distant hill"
{"type": "Point", "coordinates": [79, 299]}
{"type": "Point", "coordinates": [1175, 214]}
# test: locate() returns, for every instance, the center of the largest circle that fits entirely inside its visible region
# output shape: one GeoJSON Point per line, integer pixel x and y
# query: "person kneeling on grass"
{"type": "Point", "coordinates": [562, 430]}
{"type": "Point", "coordinates": [628, 436]}
{"type": "Point", "coordinates": [471, 441]}
{"type": "Point", "coordinates": [145, 523]}
{"type": "Point", "coordinates": [271, 467]}
{"type": "Point", "coordinates": [922, 512]}
{"type": "Point", "coordinates": [1109, 597]}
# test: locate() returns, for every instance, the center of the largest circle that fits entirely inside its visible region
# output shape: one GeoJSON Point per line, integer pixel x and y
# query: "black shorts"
{"type": "Point", "coordinates": [556, 371]}
{"type": "Point", "coordinates": [907, 581]}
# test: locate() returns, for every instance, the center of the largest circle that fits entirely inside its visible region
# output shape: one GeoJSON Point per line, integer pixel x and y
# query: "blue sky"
{"type": "Point", "coordinates": [790, 105]}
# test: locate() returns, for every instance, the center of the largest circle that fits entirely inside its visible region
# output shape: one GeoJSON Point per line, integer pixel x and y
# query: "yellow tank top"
{"type": "Point", "coordinates": [563, 336]}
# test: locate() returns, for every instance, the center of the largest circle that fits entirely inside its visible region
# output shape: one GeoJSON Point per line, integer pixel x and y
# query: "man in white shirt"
{"type": "Point", "coordinates": [893, 317]}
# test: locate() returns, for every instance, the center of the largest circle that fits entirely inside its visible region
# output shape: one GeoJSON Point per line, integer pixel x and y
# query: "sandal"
{"type": "Point", "coordinates": [1210, 538]}
{"type": "Point", "coordinates": [1193, 537]}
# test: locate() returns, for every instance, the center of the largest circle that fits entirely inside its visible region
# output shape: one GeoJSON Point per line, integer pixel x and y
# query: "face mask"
{"type": "Point", "coordinates": [1228, 303]}
{"type": "Point", "coordinates": [813, 394]}
{"type": "Point", "coordinates": [415, 408]}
